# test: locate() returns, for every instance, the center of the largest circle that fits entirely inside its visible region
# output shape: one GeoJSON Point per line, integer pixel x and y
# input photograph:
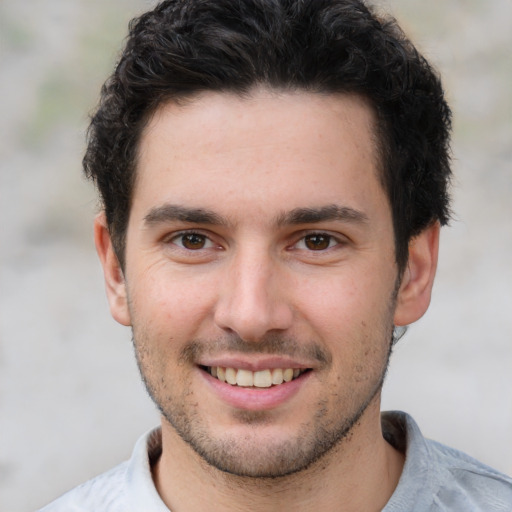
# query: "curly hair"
{"type": "Point", "coordinates": [184, 47]}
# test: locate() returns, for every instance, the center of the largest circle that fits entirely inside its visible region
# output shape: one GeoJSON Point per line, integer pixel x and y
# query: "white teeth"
{"type": "Point", "coordinates": [262, 379]}
{"type": "Point", "coordinates": [259, 379]}
{"type": "Point", "coordinates": [288, 374]}
{"type": "Point", "coordinates": [277, 376]}
{"type": "Point", "coordinates": [231, 376]}
{"type": "Point", "coordinates": [244, 378]}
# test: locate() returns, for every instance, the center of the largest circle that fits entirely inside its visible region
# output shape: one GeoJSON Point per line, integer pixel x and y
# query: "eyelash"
{"type": "Point", "coordinates": [182, 234]}
{"type": "Point", "coordinates": [332, 241]}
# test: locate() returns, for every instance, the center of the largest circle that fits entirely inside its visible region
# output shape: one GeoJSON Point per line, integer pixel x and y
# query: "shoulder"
{"type": "Point", "coordinates": [127, 487]}
{"type": "Point", "coordinates": [475, 485]}
{"type": "Point", "coordinates": [439, 478]}
{"type": "Point", "coordinates": [104, 493]}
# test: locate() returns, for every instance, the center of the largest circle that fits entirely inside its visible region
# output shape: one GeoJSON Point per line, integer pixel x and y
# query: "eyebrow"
{"type": "Point", "coordinates": [172, 212]}
{"type": "Point", "coordinates": [322, 214]}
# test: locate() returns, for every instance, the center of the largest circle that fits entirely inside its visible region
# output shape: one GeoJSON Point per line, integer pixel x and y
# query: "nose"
{"type": "Point", "coordinates": [252, 298]}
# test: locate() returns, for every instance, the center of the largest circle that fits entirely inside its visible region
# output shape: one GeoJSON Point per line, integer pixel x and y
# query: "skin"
{"type": "Point", "coordinates": [260, 237]}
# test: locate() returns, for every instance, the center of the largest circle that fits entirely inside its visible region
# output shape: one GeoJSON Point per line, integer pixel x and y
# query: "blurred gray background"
{"type": "Point", "coordinates": [71, 404]}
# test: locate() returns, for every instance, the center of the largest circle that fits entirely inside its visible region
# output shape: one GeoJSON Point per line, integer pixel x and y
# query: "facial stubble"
{"type": "Point", "coordinates": [248, 456]}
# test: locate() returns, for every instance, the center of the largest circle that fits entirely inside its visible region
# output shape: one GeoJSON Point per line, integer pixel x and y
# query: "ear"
{"type": "Point", "coordinates": [114, 279]}
{"type": "Point", "coordinates": [416, 286]}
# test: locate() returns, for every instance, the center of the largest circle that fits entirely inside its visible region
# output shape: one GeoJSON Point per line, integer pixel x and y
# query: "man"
{"type": "Point", "coordinates": [274, 176]}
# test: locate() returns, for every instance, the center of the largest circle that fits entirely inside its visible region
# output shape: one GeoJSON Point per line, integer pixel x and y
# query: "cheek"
{"type": "Point", "coordinates": [168, 306]}
{"type": "Point", "coordinates": [350, 315]}
{"type": "Point", "coordinates": [335, 302]}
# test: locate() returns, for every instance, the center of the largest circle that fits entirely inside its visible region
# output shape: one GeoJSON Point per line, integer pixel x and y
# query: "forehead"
{"type": "Point", "coordinates": [267, 147]}
{"type": "Point", "coordinates": [258, 110]}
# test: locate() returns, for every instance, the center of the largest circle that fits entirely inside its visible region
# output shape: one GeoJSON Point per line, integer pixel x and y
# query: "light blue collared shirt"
{"type": "Point", "coordinates": [435, 478]}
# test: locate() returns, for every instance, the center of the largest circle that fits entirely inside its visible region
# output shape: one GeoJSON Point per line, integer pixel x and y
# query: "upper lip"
{"type": "Point", "coordinates": [254, 363]}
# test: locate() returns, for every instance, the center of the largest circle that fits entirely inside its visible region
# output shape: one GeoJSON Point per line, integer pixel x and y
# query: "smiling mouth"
{"type": "Point", "coordinates": [259, 379]}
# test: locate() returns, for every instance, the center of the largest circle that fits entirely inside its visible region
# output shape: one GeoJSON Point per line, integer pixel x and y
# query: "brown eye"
{"type": "Point", "coordinates": [317, 242]}
{"type": "Point", "coordinates": [193, 241]}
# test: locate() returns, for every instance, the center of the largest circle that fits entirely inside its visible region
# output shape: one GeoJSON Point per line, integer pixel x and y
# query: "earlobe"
{"type": "Point", "coordinates": [416, 287]}
{"type": "Point", "coordinates": [114, 279]}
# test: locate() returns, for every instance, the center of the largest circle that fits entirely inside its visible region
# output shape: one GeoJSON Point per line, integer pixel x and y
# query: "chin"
{"type": "Point", "coordinates": [257, 448]}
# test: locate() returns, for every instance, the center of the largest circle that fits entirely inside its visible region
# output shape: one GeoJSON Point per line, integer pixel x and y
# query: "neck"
{"type": "Point", "coordinates": [360, 473]}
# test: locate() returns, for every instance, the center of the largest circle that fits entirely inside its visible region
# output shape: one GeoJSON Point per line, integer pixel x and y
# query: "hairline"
{"type": "Point", "coordinates": [184, 99]}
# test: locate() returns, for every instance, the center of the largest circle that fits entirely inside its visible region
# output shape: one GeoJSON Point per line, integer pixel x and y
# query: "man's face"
{"type": "Point", "coordinates": [260, 248]}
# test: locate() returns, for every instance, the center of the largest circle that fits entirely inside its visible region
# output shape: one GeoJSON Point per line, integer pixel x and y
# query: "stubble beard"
{"type": "Point", "coordinates": [248, 456]}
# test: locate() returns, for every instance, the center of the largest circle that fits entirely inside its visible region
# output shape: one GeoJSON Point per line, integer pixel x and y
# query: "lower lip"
{"type": "Point", "coordinates": [255, 399]}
